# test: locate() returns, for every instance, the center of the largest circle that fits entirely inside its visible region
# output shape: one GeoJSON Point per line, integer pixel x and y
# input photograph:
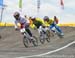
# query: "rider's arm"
{"type": "Point", "coordinates": [51, 21]}
{"type": "Point", "coordinates": [16, 25]}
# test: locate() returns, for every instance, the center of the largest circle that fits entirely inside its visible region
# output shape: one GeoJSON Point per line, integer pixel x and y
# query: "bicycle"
{"type": "Point", "coordinates": [45, 36]}
{"type": "Point", "coordinates": [27, 40]}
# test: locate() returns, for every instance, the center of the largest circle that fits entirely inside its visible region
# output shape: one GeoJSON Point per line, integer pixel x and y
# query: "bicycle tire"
{"type": "Point", "coordinates": [42, 40]}
{"type": "Point", "coordinates": [48, 36]}
{"type": "Point", "coordinates": [26, 42]}
{"type": "Point", "coordinates": [35, 41]}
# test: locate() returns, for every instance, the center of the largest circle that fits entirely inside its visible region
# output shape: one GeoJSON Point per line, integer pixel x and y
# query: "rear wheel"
{"type": "Point", "coordinates": [35, 41]}
{"type": "Point", "coordinates": [48, 36]}
{"type": "Point", "coordinates": [42, 39]}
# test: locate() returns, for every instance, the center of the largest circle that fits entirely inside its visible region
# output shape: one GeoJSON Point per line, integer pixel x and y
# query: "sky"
{"type": "Point", "coordinates": [47, 8]}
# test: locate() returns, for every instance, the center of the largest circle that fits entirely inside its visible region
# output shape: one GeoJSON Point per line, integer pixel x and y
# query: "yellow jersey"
{"type": "Point", "coordinates": [50, 21]}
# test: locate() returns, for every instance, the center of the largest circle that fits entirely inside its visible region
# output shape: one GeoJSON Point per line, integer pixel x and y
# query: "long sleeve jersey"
{"type": "Point", "coordinates": [23, 22]}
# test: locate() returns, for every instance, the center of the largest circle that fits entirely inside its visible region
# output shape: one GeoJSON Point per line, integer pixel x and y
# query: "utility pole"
{"type": "Point", "coordinates": [2, 9]}
{"type": "Point", "coordinates": [20, 6]}
{"type": "Point", "coordinates": [1, 14]}
{"type": "Point", "coordinates": [38, 7]}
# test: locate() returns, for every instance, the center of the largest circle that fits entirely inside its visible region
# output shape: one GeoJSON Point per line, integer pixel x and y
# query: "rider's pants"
{"type": "Point", "coordinates": [27, 30]}
{"type": "Point", "coordinates": [57, 27]}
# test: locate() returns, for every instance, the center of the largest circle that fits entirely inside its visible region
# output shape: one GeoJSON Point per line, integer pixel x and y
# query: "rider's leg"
{"type": "Point", "coordinates": [22, 30]}
{"type": "Point", "coordinates": [28, 31]}
{"type": "Point", "coordinates": [51, 27]}
{"type": "Point", "coordinates": [40, 30]}
{"type": "Point", "coordinates": [46, 28]}
{"type": "Point", "coordinates": [59, 29]}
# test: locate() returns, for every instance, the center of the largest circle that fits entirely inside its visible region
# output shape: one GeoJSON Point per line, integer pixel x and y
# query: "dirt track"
{"type": "Point", "coordinates": [11, 45]}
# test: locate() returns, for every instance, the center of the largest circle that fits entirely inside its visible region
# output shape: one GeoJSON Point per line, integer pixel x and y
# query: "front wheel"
{"type": "Point", "coordinates": [25, 41]}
